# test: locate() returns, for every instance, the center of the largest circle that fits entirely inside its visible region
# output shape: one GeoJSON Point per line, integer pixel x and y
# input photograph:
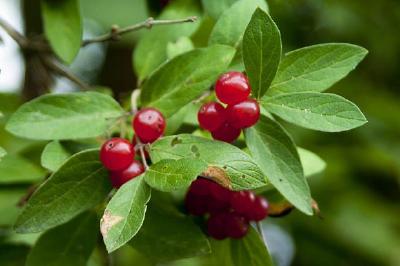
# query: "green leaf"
{"type": "Point", "coordinates": [125, 213]}
{"type": "Point", "coordinates": [168, 235]}
{"type": "Point", "coordinates": [15, 169]}
{"type": "Point", "coordinates": [169, 175]}
{"type": "Point", "coordinates": [63, 27]}
{"type": "Point", "coordinates": [312, 163]}
{"type": "Point", "coordinates": [80, 184]}
{"type": "Point", "coordinates": [231, 25]}
{"type": "Point", "coordinates": [215, 8]}
{"type": "Point", "coordinates": [157, 38]}
{"type": "Point", "coordinates": [68, 244]}
{"type": "Point", "coordinates": [54, 155]}
{"type": "Point", "coordinates": [227, 164]}
{"type": "Point", "coordinates": [181, 46]}
{"type": "Point", "coordinates": [2, 153]}
{"type": "Point", "coordinates": [185, 78]}
{"type": "Point", "coordinates": [316, 68]}
{"type": "Point", "coordinates": [249, 251]}
{"type": "Point", "coordinates": [319, 111]}
{"type": "Point", "coordinates": [64, 116]}
{"type": "Point", "coordinates": [262, 50]}
{"type": "Point", "coordinates": [275, 152]}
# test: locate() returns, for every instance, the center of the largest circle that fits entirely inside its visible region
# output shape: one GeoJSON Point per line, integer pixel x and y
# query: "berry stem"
{"type": "Point", "coordinates": [141, 150]}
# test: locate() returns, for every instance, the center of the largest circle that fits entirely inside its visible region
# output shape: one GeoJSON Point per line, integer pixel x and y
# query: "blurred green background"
{"type": "Point", "coordinates": [358, 194]}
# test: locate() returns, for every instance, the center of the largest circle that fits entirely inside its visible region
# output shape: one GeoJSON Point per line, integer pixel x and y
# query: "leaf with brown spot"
{"type": "Point", "coordinates": [218, 175]}
{"type": "Point", "coordinates": [107, 221]}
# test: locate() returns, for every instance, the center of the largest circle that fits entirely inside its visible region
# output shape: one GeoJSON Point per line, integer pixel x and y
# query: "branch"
{"type": "Point", "coordinates": [17, 37]}
{"type": "Point", "coordinates": [116, 32]}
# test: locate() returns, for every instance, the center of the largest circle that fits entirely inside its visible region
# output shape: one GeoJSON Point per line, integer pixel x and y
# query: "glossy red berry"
{"type": "Point", "coordinates": [149, 125]}
{"type": "Point", "coordinates": [200, 187]}
{"type": "Point", "coordinates": [226, 133]}
{"type": "Point", "coordinates": [195, 204]}
{"type": "Point", "coordinates": [232, 87]}
{"type": "Point", "coordinates": [117, 154]}
{"type": "Point", "coordinates": [118, 178]}
{"type": "Point", "coordinates": [216, 225]}
{"type": "Point", "coordinates": [236, 226]}
{"type": "Point", "coordinates": [243, 114]}
{"type": "Point", "coordinates": [211, 116]}
{"type": "Point", "coordinates": [259, 211]}
{"type": "Point", "coordinates": [242, 202]}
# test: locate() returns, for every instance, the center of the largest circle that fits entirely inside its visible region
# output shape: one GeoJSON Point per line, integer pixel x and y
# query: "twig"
{"type": "Point", "coordinates": [142, 154]}
{"type": "Point", "coordinates": [116, 32]}
{"type": "Point", "coordinates": [63, 71]}
{"type": "Point", "coordinates": [18, 37]}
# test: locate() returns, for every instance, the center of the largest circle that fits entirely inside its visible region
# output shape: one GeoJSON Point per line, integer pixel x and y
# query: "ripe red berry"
{"type": "Point", "coordinates": [242, 202]}
{"type": "Point", "coordinates": [118, 178]}
{"type": "Point", "coordinates": [149, 125]}
{"type": "Point", "coordinates": [243, 114]}
{"type": "Point", "coordinates": [196, 204]}
{"type": "Point", "coordinates": [232, 87]}
{"type": "Point", "coordinates": [219, 198]}
{"type": "Point", "coordinates": [226, 133]}
{"type": "Point", "coordinates": [200, 187]}
{"type": "Point", "coordinates": [211, 116]}
{"type": "Point", "coordinates": [236, 226]}
{"type": "Point", "coordinates": [259, 210]}
{"type": "Point", "coordinates": [216, 225]}
{"type": "Point", "coordinates": [117, 154]}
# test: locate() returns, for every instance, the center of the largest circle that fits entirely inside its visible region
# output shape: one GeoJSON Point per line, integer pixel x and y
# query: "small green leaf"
{"type": "Point", "coordinates": [185, 78]}
{"type": "Point", "coordinates": [63, 27]}
{"type": "Point", "coordinates": [316, 68]}
{"type": "Point", "coordinates": [226, 163]}
{"type": "Point", "coordinates": [16, 169]}
{"type": "Point", "coordinates": [216, 8]}
{"type": "Point", "coordinates": [275, 152]}
{"type": "Point", "coordinates": [169, 175]}
{"type": "Point", "coordinates": [80, 184]}
{"type": "Point", "coordinates": [312, 163]}
{"type": "Point", "coordinates": [319, 111]}
{"type": "Point", "coordinates": [157, 38]}
{"type": "Point", "coordinates": [232, 24]}
{"type": "Point", "coordinates": [66, 245]}
{"type": "Point", "coordinates": [54, 155]}
{"type": "Point", "coordinates": [64, 116]}
{"type": "Point", "coordinates": [125, 213]}
{"type": "Point", "coordinates": [262, 50]}
{"type": "Point", "coordinates": [168, 235]}
{"type": "Point", "coordinates": [181, 46]}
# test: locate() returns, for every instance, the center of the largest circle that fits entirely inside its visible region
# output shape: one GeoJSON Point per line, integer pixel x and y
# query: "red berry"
{"type": "Point", "coordinates": [236, 226]}
{"type": "Point", "coordinates": [242, 202]}
{"type": "Point", "coordinates": [195, 204]}
{"type": "Point", "coordinates": [211, 116]}
{"type": "Point", "coordinates": [259, 209]}
{"type": "Point", "coordinates": [232, 87]}
{"type": "Point", "coordinates": [219, 198]}
{"type": "Point", "coordinates": [149, 125]}
{"type": "Point", "coordinates": [118, 178]}
{"type": "Point", "coordinates": [243, 114]}
{"type": "Point", "coordinates": [226, 133]}
{"type": "Point", "coordinates": [117, 154]}
{"type": "Point", "coordinates": [216, 225]}
{"type": "Point", "coordinates": [200, 187]}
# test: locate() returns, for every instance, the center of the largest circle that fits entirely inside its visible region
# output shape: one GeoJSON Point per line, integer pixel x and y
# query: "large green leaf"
{"type": "Point", "coordinates": [316, 68]}
{"type": "Point", "coordinates": [185, 78]}
{"type": "Point", "coordinates": [216, 8]}
{"type": "Point", "coordinates": [16, 169]}
{"type": "Point", "coordinates": [169, 175]}
{"type": "Point", "coordinates": [228, 164]}
{"type": "Point", "coordinates": [63, 27]}
{"type": "Point", "coordinates": [80, 184]}
{"type": "Point", "coordinates": [156, 40]}
{"type": "Point", "coordinates": [168, 235]}
{"type": "Point", "coordinates": [318, 111]}
{"type": "Point", "coordinates": [54, 155]}
{"type": "Point", "coordinates": [66, 245]}
{"type": "Point", "coordinates": [275, 153]}
{"type": "Point", "coordinates": [125, 213]}
{"type": "Point", "coordinates": [64, 116]}
{"type": "Point", "coordinates": [311, 162]}
{"type": "Point", "coordinates": [232, 24]}
{"type": "Point", "coordinates": [262, 50]}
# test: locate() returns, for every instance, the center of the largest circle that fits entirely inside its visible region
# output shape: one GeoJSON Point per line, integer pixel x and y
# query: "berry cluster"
{"type": "Point", "coordinates": [118, 155]}
{"type": "Point", "coordinates": [229, 212]}
{"type": "Point", "coordinates": [241, 112]}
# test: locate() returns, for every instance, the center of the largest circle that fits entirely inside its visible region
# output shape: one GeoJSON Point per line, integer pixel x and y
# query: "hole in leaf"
{"type": "Point", "coordinates": [175, 141]}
